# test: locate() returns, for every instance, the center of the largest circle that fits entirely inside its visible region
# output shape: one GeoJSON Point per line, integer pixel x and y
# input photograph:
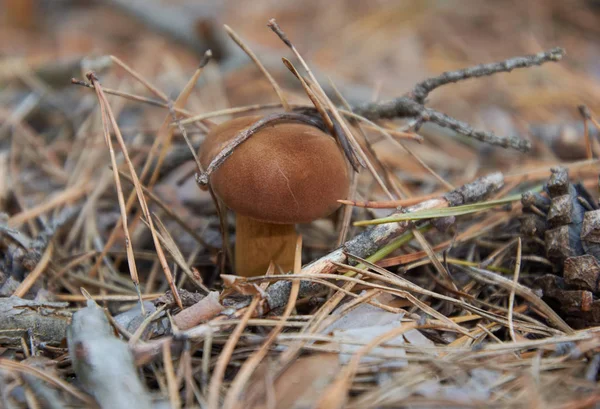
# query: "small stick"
{"type": "Point", "coordinates": [126, 95]}
{"type": "Point", "coordinates": [117, 298]}
{"type": "Point", "coordinates": [412, 104]}
{"type": "Point", "coordinates": [141, 79]}
{"type": "Point", "coordinates": [333, 127]}
{"type": "Point", "coordinates": [422, 89]}
{"type": "Point", "coordinates": [463, 128]}
{"type": "Point", "coordinates": [247, 133]}
{"type": "Point", "coordinates": [407, 107]}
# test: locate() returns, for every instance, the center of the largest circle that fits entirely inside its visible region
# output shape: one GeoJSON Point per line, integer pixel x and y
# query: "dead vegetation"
{"type": "Point", "coordinates": [480, 289]}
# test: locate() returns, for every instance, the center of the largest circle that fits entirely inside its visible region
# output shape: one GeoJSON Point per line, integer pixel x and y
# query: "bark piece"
{"type": "Point", "coordinates": [46, 321]}
{"type": "Point", "coordinates": [203, 310]}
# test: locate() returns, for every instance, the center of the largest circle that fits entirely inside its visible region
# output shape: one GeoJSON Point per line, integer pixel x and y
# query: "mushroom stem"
{"type": "Point", "coordinates": [258, 243]}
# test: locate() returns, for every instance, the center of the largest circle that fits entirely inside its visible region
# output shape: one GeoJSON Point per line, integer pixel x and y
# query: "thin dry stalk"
{"type": "Point", "coordinates": [167, 240]}
{"type": "Point", "coordinates": [310, 94]}
{"type": "Point", "coordinates": [69, 195]}
{"type": "Point", "coordinates": [357, 151]}
{"type": "Point", "coordinates": [172, 388]}
{"type": "Point", "coordinates": [395, 142]}
{"type": "Point", "coordinates": [184, 225]}
{"type": "Point", "coordinates": [511, 298]}
{"type": "Point", "coordinates": [122, 207]}
{"type": "Point", "coordinates": [347, 214]}
{"type": "Point", "coordinates": [346, 218]}
{"type": "Point", "coordinates": [522, 291]}
{"type": "Point", "coordinates": [214, 389]}
{"type": "Point", "coordinates": [165, 134]}
{"type": "Point", "coordinates": [164, 130]}
{"type": "Point", "coordinates": [233, 111]}
{"type": "Point", "coordinates": [238, 40]}
{"type": "Point", "coordinates": [104, 298]}
{"type": "Point", "coordinates": [335, 397]}
{"type": "Point", "coordinates": [32, 277]}
{"type": "Point", "coordinates": [434, 260]}
{"type": "Point", "coordinates": [141, 79]}
{"type": "Point", "coordinates": [390, 204]}
{"type": "Point", "coordinates": [109, 117]}
{"type": "Point", "coordinates": [20, 367]}
{"type": "Point", "coordinates": [131, 97]}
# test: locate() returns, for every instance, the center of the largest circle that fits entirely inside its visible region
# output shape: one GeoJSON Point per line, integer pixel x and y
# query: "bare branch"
{"type": "Point", "coordinates": [445, 121]}
{"type": "Point", "coordinates": [422, 89]}
{"type": "Point", "coordinates": [412, 105]}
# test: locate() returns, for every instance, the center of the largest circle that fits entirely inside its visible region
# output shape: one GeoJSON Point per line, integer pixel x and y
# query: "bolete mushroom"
{"type": "Point", "coordinates": [285, 173]}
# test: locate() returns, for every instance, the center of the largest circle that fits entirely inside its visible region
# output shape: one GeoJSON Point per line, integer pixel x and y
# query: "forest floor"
{"type": "Point", "coordinates": [481, 291]}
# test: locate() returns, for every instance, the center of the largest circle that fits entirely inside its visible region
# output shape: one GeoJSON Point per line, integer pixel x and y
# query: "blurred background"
{"type": "Point", "coordinates": [370, 50]}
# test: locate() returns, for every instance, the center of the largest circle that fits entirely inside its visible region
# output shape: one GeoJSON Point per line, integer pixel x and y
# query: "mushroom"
{"type": "Point", "coordinates": [285, 173]}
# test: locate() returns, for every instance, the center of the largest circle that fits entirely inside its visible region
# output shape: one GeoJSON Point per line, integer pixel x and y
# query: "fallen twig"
{"type": "Point", "coordinates": [376, 237]}
{"type": "Point", "coordinates": [412, 104]}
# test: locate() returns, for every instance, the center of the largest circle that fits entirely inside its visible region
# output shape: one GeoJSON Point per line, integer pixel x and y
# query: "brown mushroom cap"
{"type": "Point", "coordinates": [285, 173]}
